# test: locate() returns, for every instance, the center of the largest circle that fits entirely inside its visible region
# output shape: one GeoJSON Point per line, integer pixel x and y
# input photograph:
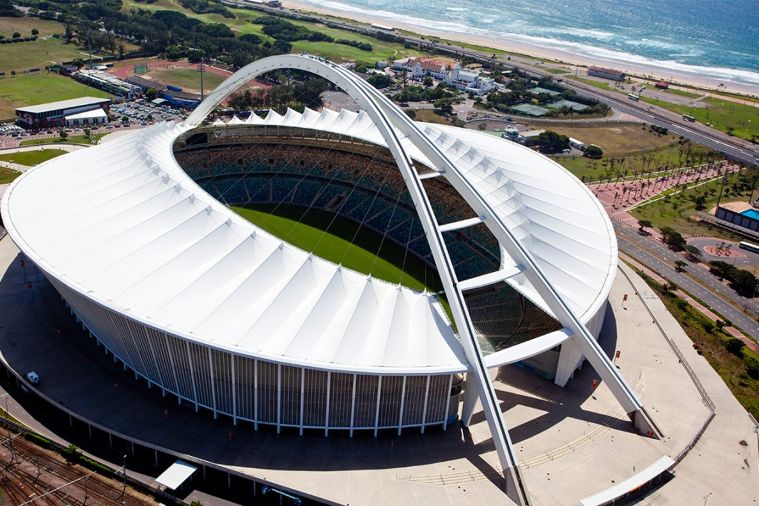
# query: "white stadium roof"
{"type": "Point", "coordinates": [123, 224]}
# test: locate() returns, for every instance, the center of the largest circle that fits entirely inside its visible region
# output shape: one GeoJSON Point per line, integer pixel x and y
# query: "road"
{"type": "Point", "coordinates": [661, 259]}
{"type": "Point", "coordinates": [734, 148]}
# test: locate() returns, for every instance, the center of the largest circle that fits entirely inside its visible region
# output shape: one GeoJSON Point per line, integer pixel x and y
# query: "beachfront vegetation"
{"type": "Point", "coordinates": [740, 120]}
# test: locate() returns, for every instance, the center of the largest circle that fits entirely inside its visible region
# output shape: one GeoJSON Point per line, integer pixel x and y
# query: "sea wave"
{"type": "Point", "coordinates": [556, 38]}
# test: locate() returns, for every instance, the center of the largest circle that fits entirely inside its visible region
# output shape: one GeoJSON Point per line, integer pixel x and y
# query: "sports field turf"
{"type": "Point", "coordinates": [31, 158]}
{"type": "Point", "coordinates": [341, 241]}
{"type": "Point", "coordinates": [188, 79]}
{"type": "Point", "coordinates": [39, 89]}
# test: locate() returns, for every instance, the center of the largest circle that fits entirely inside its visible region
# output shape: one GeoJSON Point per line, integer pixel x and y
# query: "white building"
{"type": "Point", "coordinates": [88, 118]}
{"type": "Point", "coordinates": [471, 81]}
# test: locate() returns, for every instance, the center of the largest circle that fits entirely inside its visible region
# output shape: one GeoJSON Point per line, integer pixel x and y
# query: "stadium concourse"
{"type": "Point", "coordinates": [517, 260]}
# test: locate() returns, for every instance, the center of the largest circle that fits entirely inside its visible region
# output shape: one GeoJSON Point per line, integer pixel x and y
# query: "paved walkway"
{"type": "Point", "coordinates": [619, 198]}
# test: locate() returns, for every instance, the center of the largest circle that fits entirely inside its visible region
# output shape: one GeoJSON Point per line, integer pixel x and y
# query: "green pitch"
{"type": "Point", "coordinates": [342, 241]}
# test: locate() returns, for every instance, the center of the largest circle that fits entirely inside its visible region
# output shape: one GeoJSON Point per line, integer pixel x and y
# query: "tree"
{"type": "Point", "coordinates": [552, 142]}
{"type": "Point", "coordinates": [673, 239]}
{"type": "Point", "coordinates": [16, 35]}
{"type": "Point", "coordinates": [593, 151]}
{"type": "Point", "coordinates": [63, 134]}
{"type": "Point", "coordinates": [680, 265]}
{"type": "Point", "coordinates": [88, 134]}
{"type": "Point", "coordinates": [427, 81]}
{"type": "Point", "coordinates": [151, 94]}
{"type": "Point", "coordinates": [694, 253]}
{"type": "Point", "coordinates": [443, 107]}
{"type": "Point", "coordinates": [643, 224]}
{"type": "Point", "coordinates": [35, 32]}
{"type": "Point", "coordinates": [379, 81]}
{"type": "Point", "coordinates": [735, 346]}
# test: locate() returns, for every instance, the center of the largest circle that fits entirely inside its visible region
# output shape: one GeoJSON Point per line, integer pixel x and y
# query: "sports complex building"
{"type": "Point", "coordinates": [508, 259]}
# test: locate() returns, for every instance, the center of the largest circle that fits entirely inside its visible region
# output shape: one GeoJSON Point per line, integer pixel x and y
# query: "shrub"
{"type": "Point", "coordinates": [593, 151]}
{"type": "Point", "coordinates": [735, 346]}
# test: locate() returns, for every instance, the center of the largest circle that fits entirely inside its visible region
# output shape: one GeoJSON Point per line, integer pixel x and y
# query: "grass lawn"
{"type": "Point", "coordinates": [429, 116]}
{"type": "Point", "coordinates": [671, 155]}
{"type": "Point", "coordinates": [38, 89]}
{"type": "Point", "coordinates": [37, 54]}
{"type": "Point", "coordinates": [71, 139]}
{"type": "Point", "coordinates": [736, 119]}
{"type": "Point", "coordinates": [8, 175]}
{"type": "Point", "coordinates": [31, 158]}
{"type": "Point", "coordinates": [594, 83]}
{"type": "Point", "coordinates": [616, 139]}
{"type": "Point", "coordinates": [733, 368]}
{"type": "Point", "coordinates": [676, 209]}
{"type": "Point", "coordinates": [682, 93]}
{"type": "Point", "coordinates": [556, 70]}
{"type": "Point", "coordinates": [333, 241]}
{"type": "Point", "coordinates": [25, 25]}
{"type": "Point", "coordinates": [187, 78]}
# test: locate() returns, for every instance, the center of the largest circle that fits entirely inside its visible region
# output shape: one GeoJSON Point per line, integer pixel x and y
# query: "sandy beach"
{"type": "Point", "coordinates": [521, 48]}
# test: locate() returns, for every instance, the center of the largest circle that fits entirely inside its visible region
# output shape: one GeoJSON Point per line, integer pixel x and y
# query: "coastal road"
{"type": "Point", "coordinates": [737, 149]}
{"type": "Point", "coordinates": [661, 259]}
{"type": "Point", "coordinates": [734, 148]}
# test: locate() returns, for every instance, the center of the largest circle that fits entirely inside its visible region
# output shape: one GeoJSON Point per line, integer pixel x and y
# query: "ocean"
{"type": "Point", "coordinates": [718, 39]}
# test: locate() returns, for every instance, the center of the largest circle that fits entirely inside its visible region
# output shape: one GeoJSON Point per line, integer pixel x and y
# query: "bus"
{"type": "Point", "coordinates": [688, 117]}
{"type": "Point", "coordinates": [633, 96]}
{"type": "Point", "coordinates": [748, 246]}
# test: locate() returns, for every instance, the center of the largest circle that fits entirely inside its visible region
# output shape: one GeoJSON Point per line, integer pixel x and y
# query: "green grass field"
{"type": "Point", "coordinates": [8, 175]}
{"type": "Point", "coordinates": [39, 89]}
{"type": "Point", "coordinates": [740, 120]}
{"type": "Point", "coordinates": [188, 79]}
{"type": "Point", "coordinates": [25, 25]}
{"type": "Point", "coordinates": [37, 54]}
{"type": "Point", "coordinates": [632, 161]}
{"type": "Point", "coordinates": [71, 139]}
{"type": "Point", "coordinates": [341, 241]}
{"type": "Point", "coordinates": [30, 158]}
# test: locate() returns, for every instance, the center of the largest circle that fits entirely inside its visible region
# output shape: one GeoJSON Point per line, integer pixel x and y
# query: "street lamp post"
{"type": "Point", "coordinates": [123, 468]}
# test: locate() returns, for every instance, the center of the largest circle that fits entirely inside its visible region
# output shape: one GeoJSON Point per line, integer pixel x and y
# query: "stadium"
{"type": "Point", "coordinates": [326, 270]}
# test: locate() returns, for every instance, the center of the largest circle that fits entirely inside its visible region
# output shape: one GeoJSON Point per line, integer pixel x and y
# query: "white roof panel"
{"type": "Point", "coordinates": [124, 225]}
{"type": "Point", "coordinates": [177, 473]}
